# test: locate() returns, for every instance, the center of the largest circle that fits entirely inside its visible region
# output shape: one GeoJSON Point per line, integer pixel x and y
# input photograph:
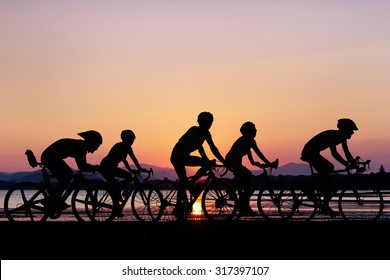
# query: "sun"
{"type": "Point", "coordinates": [197, 208]}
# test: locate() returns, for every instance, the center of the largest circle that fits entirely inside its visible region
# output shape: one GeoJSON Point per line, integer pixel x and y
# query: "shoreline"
{"type": "Point", "coordinates": [196, 240]}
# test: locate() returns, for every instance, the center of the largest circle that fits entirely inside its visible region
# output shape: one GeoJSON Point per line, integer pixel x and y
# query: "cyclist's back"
{"type": "Point", "coordinates": [190, 141]}
{"type": "Point", "coordinates": [119, 153]}
{"type": "Point", "coordinates": [329, 139]}
{"type": "Point", "coordinates": [53, 157]}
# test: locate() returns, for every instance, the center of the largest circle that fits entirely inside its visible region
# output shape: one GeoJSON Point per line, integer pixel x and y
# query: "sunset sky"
{"type": "Point", "coordinates": [291, 67]}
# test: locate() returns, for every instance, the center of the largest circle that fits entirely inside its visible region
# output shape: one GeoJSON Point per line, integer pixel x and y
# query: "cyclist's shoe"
{"type": "Point", "coordinates": [178, 212]}
{"type": "Point", "coordinates": [63, 205]}
{"type": "Point", "coordinates": [55, 204]}
{"type": "Point", "coordinates": [119, 214]}
{"type": "Point", "coordinates": [329, 211]}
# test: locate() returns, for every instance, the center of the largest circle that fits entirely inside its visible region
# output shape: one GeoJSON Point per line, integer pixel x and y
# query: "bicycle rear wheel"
{"type": "Point", "coordinates": [161, 208]}
{"type": "Point", "coordinates": [24, 202]}
{"type": "Point", "coordinates": [287, 204]}
{"type": "Point", "coordinates": [220, 201]}
{"type": "Point", "coordinates": [305, 207]}
{"type": "Point", "coordinates": [92, 201]}
{"type": "Point", "coordinates": [144, 198]}
{"type": "Point", "coordinates": [368, 208]}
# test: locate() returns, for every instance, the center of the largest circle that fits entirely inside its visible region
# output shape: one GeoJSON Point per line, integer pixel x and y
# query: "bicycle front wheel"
{"type": "Point", "coordinates": [220, 201]}
{"type": "Point", "coordinates": [367, 206]}
{"type": "Point", "coordinates": [142, 204]}
{"type": "Point", "coordinates": [24, 203]}
{"type": "Point", "coordinates": [268, 200]}
{"type": "Point", "coordinates": [92, 201]}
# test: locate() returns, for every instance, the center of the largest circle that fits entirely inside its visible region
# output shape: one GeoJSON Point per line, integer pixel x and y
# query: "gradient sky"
{"type": "Point", "coordinates": [291, 67]}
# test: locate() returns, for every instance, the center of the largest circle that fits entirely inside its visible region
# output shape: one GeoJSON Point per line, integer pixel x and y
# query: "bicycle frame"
{"type": "Point", "coordinates": [140, 199]}
{"type": "Point", "coordinates": [208, 186]}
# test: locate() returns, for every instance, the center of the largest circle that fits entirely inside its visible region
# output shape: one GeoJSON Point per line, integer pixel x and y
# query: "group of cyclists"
{"type": "Point", "coordinates": [53, 157]}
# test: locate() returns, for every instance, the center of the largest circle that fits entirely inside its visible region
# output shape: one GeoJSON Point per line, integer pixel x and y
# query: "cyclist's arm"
{"type": "Point", "coordinates": [84, 166]}
{"type": "Point", "coordinates": [337, 156]}
{"type": "Point", "coordinates": [127, 165]}
{"type": "Point", "coordinates": [134, 159]}
{"type": "Point", "coordinates": [202, 153]}
{"type": "Point", "coordinates": [259, 154]}
{"type": "Point", "coordinates": [215, 150]}
{"type": "Point", "coordinates": [347, 153]}
{"type": "Point", "coordinates": [251, 160]}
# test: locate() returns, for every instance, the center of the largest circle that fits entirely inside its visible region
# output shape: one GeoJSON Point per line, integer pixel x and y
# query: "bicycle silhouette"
{"type": "Point", "coordinates": [267, 199]}
{"type": "Point", "coordinates": [354, 202]}
{"type": "Point", "coordinates": [137, 191]}
{"type": "Point", "coordinates": [264, 192]}
{"type": "Point", "coordinates": [219, 199]}
{"type": "Point", "coordinates": [37, 199]}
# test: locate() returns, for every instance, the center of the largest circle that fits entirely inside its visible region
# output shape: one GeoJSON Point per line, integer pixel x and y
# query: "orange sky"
{"type": "Point", "coordinates": [291, 67]}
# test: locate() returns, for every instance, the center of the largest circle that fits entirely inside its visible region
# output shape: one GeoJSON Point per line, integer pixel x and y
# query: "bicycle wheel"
{"type": "Point", "coordinates": [305, 207]}
{"type": "Point", "coordinates": [220, 201]}
{"type": "Point", "coordinates": [368, 207]}
{"type": "Point", "coordinates": [162, 208]}
{"type": "Point", "coordinates": [23, 202]}
{"type": "Point", "coordinates": [287, 203]}
{"type": "Point", "coordinates": [92, 201]}
{"type": "Point", "coordinates": [142, 203]}
{"type": "Point", "coordinates": [268, 200]}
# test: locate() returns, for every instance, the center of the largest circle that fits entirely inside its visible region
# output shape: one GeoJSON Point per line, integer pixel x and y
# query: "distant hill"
{"type": "Point", "coordinates": [33, 176]}
{"type": "Point", "coordinates": [293, 169]}
{"type": "Point", "coordinates": [158, 172]}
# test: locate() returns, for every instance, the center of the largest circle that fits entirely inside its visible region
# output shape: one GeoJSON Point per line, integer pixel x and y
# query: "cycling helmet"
{"type": "Point", "coordinates": [247, 128]}
{"type": "Point", "coordinates": [346, 124]}
{"type": "Point", "coordinates": [91, 136]}
{"type": "Point", "coordinates": [205, 117]}
{"type": "Point", "coordinates": [127, 135]}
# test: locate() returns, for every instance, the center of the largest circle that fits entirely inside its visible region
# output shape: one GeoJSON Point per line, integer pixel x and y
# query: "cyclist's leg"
{"type": "Point", "coordinates": [64, 174]}
{"type": "Point", "coordinates": [244, 179]}
{"type": "Point", "coordinates": [325, 186]}
{"type": "Point", "coordinates": [179, 166]}
{"type": "Point", "coordinates": [109, 175]}
{"type": "Point", "coordinates": [194, 188]}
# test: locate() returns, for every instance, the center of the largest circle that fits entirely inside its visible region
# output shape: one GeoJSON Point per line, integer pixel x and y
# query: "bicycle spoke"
{"type": "Point", "coordinates": [30, 209]}
{"type": "Point", "coordinates": [218, 201]}
{"type": "Point", "coordinates": [368, 207]}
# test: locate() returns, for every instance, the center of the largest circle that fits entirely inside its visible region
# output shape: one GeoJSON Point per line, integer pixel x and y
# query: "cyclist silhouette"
{"type": "Point", "coordinates": [240, 148]}
{"type": "Point", "coordinates": [53, 158]}
{"type": "Point", "coordinates": [181, 157]}
{"type": "Point", "coordinates": [329, 139]}
{"type": "Point", "coordinates": [117, 154]}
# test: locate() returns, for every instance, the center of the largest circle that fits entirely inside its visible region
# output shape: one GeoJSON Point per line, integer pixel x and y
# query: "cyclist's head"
{"type": "Point", "coordinates": [346, 126]}
{"type": "Point", "coordinates": [248, 129]}
{"type": "Point", "coordinates": [205, 119]}
{"type": "Point", "coordinates": [92, 138]}
{"type": "Point", "coordinates": [128, 136]}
